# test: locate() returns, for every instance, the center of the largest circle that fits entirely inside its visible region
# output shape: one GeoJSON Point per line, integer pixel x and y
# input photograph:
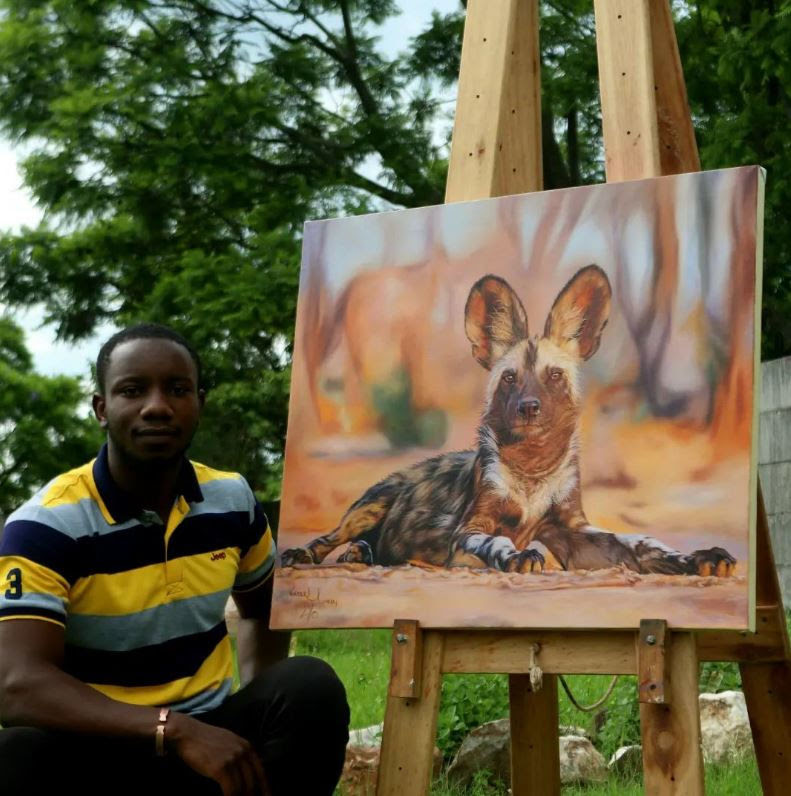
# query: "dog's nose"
{"type": "Point", "coordinates": [529, 407]}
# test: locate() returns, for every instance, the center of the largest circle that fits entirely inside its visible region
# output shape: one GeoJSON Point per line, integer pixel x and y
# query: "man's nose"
{"type": "Point", "coordinates": [529, 406]}
{"type": "Point", "coordinates": [157, 405]}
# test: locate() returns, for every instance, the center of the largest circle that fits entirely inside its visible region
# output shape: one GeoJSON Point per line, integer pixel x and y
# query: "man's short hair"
{"type": "Point", "coordinates": [142, 331]}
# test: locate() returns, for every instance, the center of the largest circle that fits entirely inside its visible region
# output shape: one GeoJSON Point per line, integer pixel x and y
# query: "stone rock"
{"type": "Point", "coordinates": [580, 761]}
{"type": "Point", "coordinates": [486, 747]}
{"type": "Point", "coordinates": [361, 767]}
{"type": "Point", "coordinates": [724, 726]}
{"type": "Point", "coordinates": [572, 729]}
{"type": "Point", "coordinates": [367, 736]}
{"type": "Point", "coordinates": [627, 761]}
{"type": "Point", "coordinates": [360, 770]}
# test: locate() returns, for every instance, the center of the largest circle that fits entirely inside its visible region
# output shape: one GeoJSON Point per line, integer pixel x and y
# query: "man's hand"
{"type": "Point", "coordinates": [218, 754]}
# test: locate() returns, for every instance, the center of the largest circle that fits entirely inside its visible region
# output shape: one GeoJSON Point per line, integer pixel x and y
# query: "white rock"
{"type": "Point", "coordinates": [627, 760]}
{"type": "Point", "coordinates": [580, 761]}
{"type": "Point", "coordinates": [724, 726]}
{"type": "Point", "coordinates": [366, 736]}
{"type": "Point", "coordinates": [486, 747]}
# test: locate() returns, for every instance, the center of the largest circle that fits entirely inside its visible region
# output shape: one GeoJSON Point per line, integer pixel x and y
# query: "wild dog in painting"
{"type": "Point", "coordinates": [497, 505]}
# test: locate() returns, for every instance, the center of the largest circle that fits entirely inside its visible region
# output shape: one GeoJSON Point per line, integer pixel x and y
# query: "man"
{"type": "Point", "coordinates": [115, 663]}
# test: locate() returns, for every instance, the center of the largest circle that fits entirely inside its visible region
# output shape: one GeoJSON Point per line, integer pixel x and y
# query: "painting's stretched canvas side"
{"type": "Point", "coordinates": [531, 411]}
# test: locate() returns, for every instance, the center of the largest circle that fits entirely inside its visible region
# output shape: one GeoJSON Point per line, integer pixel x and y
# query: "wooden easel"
{"type": "Point", "coordinates": [497, 151]}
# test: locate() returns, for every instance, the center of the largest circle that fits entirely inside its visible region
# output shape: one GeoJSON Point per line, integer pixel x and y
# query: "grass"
{"type": "Point", "coordinates": [362, 660]}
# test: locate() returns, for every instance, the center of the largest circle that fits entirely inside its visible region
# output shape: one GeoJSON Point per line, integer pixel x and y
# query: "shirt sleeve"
{"type": "Point", "coordinates": [257, 561]}
{"type": "Point", "coordinates": [35, 570]}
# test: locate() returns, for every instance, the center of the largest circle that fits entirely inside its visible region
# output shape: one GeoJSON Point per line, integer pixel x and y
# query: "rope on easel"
{"type": "Point", "coordinates": [597, 703]}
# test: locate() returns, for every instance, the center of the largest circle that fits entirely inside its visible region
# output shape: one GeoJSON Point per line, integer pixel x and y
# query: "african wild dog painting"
{"type": "Point", "coordinates": [518, 492]}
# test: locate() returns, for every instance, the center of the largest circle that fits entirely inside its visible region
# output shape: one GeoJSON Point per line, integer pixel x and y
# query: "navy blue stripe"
{"type": "Point", "coordinates": [144, 545]}
{"type": "Point", "coordinates": [203, 533]}
{"type": "Point", "coordinates": [43, 545]}
{"type": "Point", "coordinates": [146, 666]}
{"type": "Point", "coordinates": [22, 611]}
{"type": "Point", "coordinates": [126, 548]}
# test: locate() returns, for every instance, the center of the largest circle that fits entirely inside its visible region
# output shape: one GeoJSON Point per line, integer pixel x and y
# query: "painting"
{"type": "Point", "coordinates": [528, 412]}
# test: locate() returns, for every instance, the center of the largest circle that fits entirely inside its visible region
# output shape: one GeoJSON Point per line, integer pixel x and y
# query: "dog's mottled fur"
{"type": "Point", "coordinates": [497, 505]}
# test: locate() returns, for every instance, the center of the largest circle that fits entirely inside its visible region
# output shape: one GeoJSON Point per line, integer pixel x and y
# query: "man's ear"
{"type": "Point", "coordinates": [494, 319]}
{"type": "Point", "coordinates": [201, 398]}
{"type": "Point", "coordinates": [98, 404]}
{"type": "Point", "coordinates": [580, 312]}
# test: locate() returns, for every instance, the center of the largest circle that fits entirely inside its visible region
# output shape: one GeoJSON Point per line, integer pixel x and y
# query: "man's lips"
{"type": "Point", "coordinates": [157, 432]}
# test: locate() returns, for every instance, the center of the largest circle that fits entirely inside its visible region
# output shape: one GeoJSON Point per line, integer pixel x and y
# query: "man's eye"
{"type": "Point", "coordinates": [130, 392]}
{"type": "Point", "coordinates": [509, 377]}
{"type": "Point", "coordinates": [180, 391]}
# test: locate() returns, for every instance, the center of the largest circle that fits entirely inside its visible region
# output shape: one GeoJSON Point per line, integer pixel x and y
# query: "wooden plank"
{"type": "Point", "coordinates": [678, 150]}
{"type": "Point", "coordinates": [535, 753]}
{"type": "Point", "coordinates": [767, 644]}
{"type": "Point", "coordinates": [496, 145]}
{"type": "Point", "coordinates": [766, 689]}
{"type": "Point", "coordinates": [652, 684]}
{"type": "Point", "coordinates": [410, 728]}
{"type": "Point", "coordinates": [406, 659]}
{"type": "Point", "coordinates": [626, 78]}
{"type": "Point", "coordinates": [767, 686]}
{"type": "Point", "coordinates": [672, 759]}
{"type": "Point", "coordinates": [562, 652]}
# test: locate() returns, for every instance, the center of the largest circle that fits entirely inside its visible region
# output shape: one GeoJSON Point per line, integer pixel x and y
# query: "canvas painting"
{"type": "Point", "coordinates": [532, 411]}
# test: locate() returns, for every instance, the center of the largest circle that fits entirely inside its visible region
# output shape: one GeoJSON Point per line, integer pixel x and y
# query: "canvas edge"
{"type": "Point", "coordinates": [754, 453]}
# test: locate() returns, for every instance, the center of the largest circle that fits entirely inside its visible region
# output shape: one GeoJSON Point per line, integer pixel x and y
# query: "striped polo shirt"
{"type": "Point", "coordinates": [142, 603]}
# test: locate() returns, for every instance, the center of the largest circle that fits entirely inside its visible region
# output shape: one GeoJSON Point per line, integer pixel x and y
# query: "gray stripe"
{"type": "Point", "coordinates": [72, 519]}
{"type": "Point", "coordinates": [246, 578]}
{"type": "Point", "coordinates": [35, 600]}
{"type": "Point", "coordinates": [224, 494]}
{"type": "Point", "coordinates": [206, 700]}
{"type": "Point", "coordinates": [152, 626]}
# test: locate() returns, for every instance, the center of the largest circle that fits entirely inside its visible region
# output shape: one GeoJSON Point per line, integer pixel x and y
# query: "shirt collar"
{"type": "Point", "coordinates": [121, 505]}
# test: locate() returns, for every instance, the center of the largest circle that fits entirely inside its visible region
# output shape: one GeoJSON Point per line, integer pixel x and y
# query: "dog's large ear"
{"type": "Point", "coordinates": [580, 312]}
{"type": "Point", "coordinates": [494, 319]}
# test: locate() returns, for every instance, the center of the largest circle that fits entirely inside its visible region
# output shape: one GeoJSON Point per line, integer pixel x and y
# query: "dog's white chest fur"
{"type": "Point", "coordinates": [537, 496]}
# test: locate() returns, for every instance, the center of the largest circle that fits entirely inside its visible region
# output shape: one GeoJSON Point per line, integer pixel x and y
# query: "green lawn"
{"type": "Point", "coordinates": [362, 660]}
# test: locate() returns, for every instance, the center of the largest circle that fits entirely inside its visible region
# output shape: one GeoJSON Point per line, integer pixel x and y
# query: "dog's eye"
{"type": "Point", "coordinates": [555, 374]}
{"type": "Point", "coordinates": [509, 377]}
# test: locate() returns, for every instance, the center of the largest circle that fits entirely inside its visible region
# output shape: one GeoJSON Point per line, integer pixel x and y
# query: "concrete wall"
{"type": "Point", "coordinates": [775, 463]}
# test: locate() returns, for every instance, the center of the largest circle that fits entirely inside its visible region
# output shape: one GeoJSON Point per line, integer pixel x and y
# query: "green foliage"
{"type": "Point", "coordinates": [467, 701]}
{"type": "Point", "coordinates": [177, 149]}
{"type": "Point", "coordinates": [42, 427]}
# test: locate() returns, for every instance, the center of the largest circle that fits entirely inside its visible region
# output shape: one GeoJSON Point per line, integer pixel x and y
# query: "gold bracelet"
{"type": "Point", "coordinates": [159, 738]}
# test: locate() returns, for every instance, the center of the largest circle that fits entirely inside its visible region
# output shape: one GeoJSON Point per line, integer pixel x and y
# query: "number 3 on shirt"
{"type": "Point", "coordinates": [14, 577]}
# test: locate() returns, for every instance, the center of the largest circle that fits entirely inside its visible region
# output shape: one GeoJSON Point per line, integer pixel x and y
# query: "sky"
{"type": "Point", "coordinates": [18, 209]}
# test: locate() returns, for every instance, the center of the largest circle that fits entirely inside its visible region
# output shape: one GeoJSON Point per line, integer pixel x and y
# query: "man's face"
{"type": "Point", "coordinates": [151, 403]}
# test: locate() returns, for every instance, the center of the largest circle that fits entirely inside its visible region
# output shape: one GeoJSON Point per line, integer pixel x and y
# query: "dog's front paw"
{"type": "Point", "coordinates": [296, 555]}
{"type": "Point", "coordinates": [713, 561]}
{"type": "Point", "coordinates": [525, 561]}
{"type": "Point", "coordinates": [358, 552]}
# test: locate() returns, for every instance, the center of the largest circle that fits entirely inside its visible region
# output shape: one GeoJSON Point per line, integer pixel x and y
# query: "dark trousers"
{"type": "Point", "coordinates": [295, 715]}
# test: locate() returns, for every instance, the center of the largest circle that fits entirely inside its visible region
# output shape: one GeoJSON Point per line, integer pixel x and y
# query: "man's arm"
{"type": "Point", "coordinates": [36, 692]}
{"type": "Point", "coordinates": [256, 645]}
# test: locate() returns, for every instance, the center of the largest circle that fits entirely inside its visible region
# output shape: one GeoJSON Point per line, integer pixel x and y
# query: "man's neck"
{"type": "Point", "coordinates": [152, 485]}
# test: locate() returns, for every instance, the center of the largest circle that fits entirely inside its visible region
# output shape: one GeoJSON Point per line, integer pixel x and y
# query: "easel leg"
{"type": "Point", "coordinates": [672, 759]}
{"type": "Point", "coordinates": [535, 757]}
{"type": "Point", "coordinates": [410, 730]}
{"type": "Point", "coordinates": [767, 691]}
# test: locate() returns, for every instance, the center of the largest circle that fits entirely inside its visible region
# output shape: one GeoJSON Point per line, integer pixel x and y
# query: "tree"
{"type": "Point", "coordinates": [178, 146]}
{"type": "Point", "coordinates": [41, 427]}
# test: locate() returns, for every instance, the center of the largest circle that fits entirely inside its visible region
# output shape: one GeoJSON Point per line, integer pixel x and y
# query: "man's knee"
{"type": "Point", "coordinates": [27, 754]}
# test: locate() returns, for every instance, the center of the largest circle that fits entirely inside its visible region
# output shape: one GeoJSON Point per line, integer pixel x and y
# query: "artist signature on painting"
{"type": "Point", "coordinates": [313, 602]}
